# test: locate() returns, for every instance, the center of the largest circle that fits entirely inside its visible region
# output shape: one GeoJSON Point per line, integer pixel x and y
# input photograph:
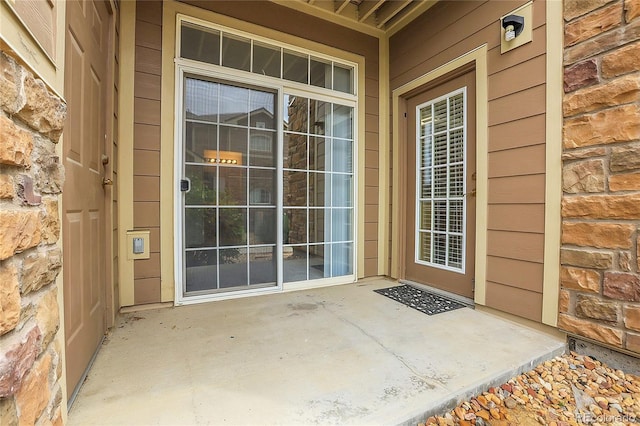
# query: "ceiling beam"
{"type": "Point", "coordinates": [367, 8]}
{"type": "Point", "coordinates": [340, 5]}
{"type": "Point", "coordinates": [389, 10]}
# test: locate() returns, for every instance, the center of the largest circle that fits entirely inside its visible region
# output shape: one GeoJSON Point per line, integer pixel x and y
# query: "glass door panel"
{"type": "Point", "coordinates": [229, 211]}
{"type": "Point", "coordinates": [318, 189]}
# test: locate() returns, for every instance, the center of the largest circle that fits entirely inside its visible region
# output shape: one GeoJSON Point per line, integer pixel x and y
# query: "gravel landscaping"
{"type": "Point", "coordinates": [568, 390]}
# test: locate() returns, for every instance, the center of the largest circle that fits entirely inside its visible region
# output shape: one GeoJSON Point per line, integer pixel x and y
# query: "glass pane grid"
{"type": "Point", "coordinates": [244, 53]}
{"type": "Point", "coordinates": [318, 147]}
{"type": "Point", "coordinates": [225, 246]}
{"type": "Point", "coordinates": [230, 209]}
{"type": "Point", "coordinates": [440, 208]}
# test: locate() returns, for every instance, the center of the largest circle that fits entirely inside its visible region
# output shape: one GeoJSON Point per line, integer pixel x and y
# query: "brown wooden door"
{"type": "Point", "coordinates": [86, 75]}
{"type": "Point", "coordinates": [440, 208]}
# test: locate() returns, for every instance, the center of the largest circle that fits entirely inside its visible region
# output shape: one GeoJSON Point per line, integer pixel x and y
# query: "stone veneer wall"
{"type": "Point", "coordinates": [600, 257]}
{"type": "Point", "coordinates": [31, 176]}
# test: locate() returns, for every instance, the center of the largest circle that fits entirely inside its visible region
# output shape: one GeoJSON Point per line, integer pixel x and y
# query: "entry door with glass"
{"type": "Point", "coordinates": [440, 225]}
{"type": "Point", "coordinates": [229, 199]}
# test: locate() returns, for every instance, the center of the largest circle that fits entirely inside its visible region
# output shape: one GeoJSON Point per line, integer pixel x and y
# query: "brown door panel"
{"type": "Point", "coordinates": [455, 282]}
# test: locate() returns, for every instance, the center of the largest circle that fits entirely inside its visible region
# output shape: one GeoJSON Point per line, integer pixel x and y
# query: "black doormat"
{"type": "Point", "coordinates": [420, 300]}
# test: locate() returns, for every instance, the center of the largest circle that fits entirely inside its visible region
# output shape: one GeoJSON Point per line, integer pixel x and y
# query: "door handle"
{"type": "Point", "coordinates": [472, 193]}
{"type": "Point", "coordinates": [106, 182]}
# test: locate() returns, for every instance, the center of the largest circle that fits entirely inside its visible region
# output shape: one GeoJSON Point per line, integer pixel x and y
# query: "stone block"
{"type": "Point", "coordinates": [18, 358]}
{"type": "Point", "coordinates": [633, 342]}
{"type": "Point", "coordinates": [10, 84]}
{"type": "Point", "coordinates": [43, 111]}
{"type": "Point", "coordinates": [625, 206]}
{"type": "Point", "coordinates": [19, 230]}
{"type": "Point", "coordinates": [624, 182]}
{"type": "Point", "coordinates": [583, 176]}
{"type": "Point", "coordinates": [576, 8]}
{"type": "Point", "coordinates": [638, 252]}
{"type": "Point", "coordinates": [624, 261]}
{"type": "Point", "coordinates": [9, 297]}
{"type": "Point", "coordinates": [625, 158]}
{"type": "Point", "coordinates": [48, 316]}
{"type": "Point", "coordinates": [603, 43]}
{"type": "Point", "coordinates": [39, 268]}
{"type": "Point", "coordinates": [33, 396]}
{"type": "Point", "coordinates": [8, 412]}
{"type": "Point", "coordinates": [591, 330]}
{"type": "Point", "coordinates": [564, 301]}
{"type": "Point", "coordinates": [49, 174]}
{"type": "Point", "coordinates": [598, 234]}
{"type": "Point", "coordinates": [620, 124]}
{"type": "Point", "coordinates": [590, 25]}
{"type": "Point", "coordinates": [620, 91]}
{"type": "Point", "coordinates": [583, 153]}
{"type": "Point", "coordinates": [594, 308]}
{"type": "Point", "coordinates": [631, 10]}
{"type": "Point", "coordinates": [16, 144]}
{"type": "Point", "coordinates": [24, 191]}
{"type": "Point", "coordinates": [586, 258]}
{"type": "Point", "coordinates": [621, 286]}
{"type": "Point", "coordinates": [50, 221]}
{"type": "Point", "coordinates": [632, 317]}
{"type": "Point", "coordinates": [580, 75]}
{"type": "Point", "coordinates": [56, 417]}
{"type": "Point", "coordinates": [579, 279]}
{"type": "Point", "coordinates": [57, 351]}
{"type": "Point", "coordinates": [621, 61]}
{"type": "Point", "coordinates": [7, 189]}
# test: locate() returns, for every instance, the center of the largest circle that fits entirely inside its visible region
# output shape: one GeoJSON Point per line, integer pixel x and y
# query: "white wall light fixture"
{"type": "Point", "coordinates": [513, 26]}
{"type": "Point", "coordinates": [516, 27]}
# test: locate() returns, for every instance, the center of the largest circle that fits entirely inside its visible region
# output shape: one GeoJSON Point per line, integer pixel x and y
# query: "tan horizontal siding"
{"type": "Point", "coordinates": [146, 136]}
{"type": "Point", "coordinates": [515, 245]}
{"type": "Point", "coordinates": [516, 217]}
{"type": "Point", "coordinates": [510, 135]}
{"type": "Point", "coordinates": [147, 86]}
{"type": "Point", "coordinates": [146, 214]}
{"type": "Point", "coordinates": [509, 162]}
{"type": "Point", "coordinates": [515, 301]}
{"type": "Point", "coordinates": [146, 163]}
{"type": "Point", "coordinates": [498, 61]}
{"type": "Point", "coordinates": [517, 189]}
{"type": "Point", "coordinates": [516, 106]}
{"type": "Point", "coordinates": [146, 144]}
{"type": "Point", "coordinates": [147, 290]}
{"type": "Point", "coordinates": [148, 268]}
{"type": "Point", "coordinates": [529, 73]}
{"type": "Point", "coordinates": [146, 188]}
{"type": "Point", "coordinates": [515, 273]}
{"type": "Point", "coordinates": [148, 60]}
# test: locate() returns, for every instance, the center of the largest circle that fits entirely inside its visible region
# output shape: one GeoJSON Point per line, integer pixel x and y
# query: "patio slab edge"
{"type": "Point", "coordinates": [449, 402]}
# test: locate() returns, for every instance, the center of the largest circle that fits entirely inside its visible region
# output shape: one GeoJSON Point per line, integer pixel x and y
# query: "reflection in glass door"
{"type": "Point", "coordinates": [229, 204]}
{"type": "Point", "coordinates": [317, 189]}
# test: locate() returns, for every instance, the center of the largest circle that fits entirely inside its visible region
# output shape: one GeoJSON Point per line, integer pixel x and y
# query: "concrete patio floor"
{"type": "Point", "coordinates": [336, 355]}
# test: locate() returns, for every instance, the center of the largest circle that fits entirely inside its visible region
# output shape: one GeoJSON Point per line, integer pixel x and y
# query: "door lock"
{"type": "Point", "coordinates": [106, 182]}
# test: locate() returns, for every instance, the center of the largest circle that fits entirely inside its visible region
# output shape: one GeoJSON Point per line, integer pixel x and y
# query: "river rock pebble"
{"type": "Point", "coordinates": [569, 390]}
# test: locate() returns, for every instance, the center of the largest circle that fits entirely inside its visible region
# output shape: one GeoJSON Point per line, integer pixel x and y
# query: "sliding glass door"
{"type": "Point", "coordinates": [229, 183]}
{"type": "Point", "coordinates": [267, 188]}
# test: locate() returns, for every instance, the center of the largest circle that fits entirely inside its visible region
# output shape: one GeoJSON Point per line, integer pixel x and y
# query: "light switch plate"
{"type": "Point", "coordinates": [138, 244]}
